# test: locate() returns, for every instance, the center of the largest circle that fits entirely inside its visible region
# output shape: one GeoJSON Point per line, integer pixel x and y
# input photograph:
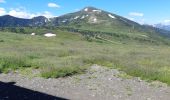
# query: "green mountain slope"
{"type": "Point", "coordinates": [108, 26]}
{"type": "Point", "coordinates": [10, 21]}
{"type": "Point", "coordinates": [93, 23]}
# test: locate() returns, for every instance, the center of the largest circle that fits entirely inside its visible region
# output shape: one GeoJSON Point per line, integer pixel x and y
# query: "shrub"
{"type": "Point", "coordinates": [2, 41]}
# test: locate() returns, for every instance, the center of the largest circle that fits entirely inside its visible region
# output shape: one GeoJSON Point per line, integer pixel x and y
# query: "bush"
{"type": "Point", "coordinates": [2, 41]}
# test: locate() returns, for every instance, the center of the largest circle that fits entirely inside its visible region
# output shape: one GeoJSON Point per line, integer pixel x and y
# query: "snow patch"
{"type": "Point", "coordinates": [49, 19]}
{"type": "Point", "coordinates": [64, 21]}
{"type": "Point", "coordinates": [86, 9]}
{"type": "Point", "coordinates": [49, 35]}
{"type": "Point", "coordinates": [83, 17]}
{"type": "Point", "coordinates": [99, 11]}
{"type": "Point", "coordinates": [32, 34]}
{"type": "Point", "coordinates": [76, 17]}
{"type": "Point", "coordinates": [94, 20]}
{"type": "Point", "coordinates": [111, 16]}
{"type": "Point", "coordinates": [46, 20]}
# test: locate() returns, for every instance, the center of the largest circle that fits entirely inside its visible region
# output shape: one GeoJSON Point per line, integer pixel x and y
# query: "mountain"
{"type": "Point", "coordinates": [94, 22]}
{"type": "Point", "coordinates": [38, 21]}
{"type": "Point", "coordinates": [89, 18]}
{"type": "Point", "coordinates": [94, 19]}
{"type": "Point", "coordinates": [162, 26]}
{"type": "Point", "coordinates": [10, 21]}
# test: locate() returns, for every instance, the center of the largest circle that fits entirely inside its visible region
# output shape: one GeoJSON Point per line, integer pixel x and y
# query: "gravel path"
{"type": "Point", "coordinates": [99, 83]}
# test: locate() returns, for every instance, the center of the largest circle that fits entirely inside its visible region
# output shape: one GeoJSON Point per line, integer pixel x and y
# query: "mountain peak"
{"type": "Point", "coordinates": [90, 9]}
{"type": "Point", "coordinates": [39, 18]}
{"type": "Point", "coordinates": [8, 16]}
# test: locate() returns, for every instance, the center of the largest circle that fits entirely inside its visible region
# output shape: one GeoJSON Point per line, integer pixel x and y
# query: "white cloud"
{"type": "Point", "coordinates": [2, 1]}
{"type": "Point", "coordinates": [20, 14]}
{"type": "Point", "coordinates": [53, 5]}
{"type": "Point", "coordinates": [2, 11]}
{"type": "Point", "coordinates": [166, 22]}
{"type": "Point", "coordinates": [130, 18]}
{"type": "Point", "coordinates": [23, 13]}
{"type": "Point", "coordinates": [46, 14]}
{"type": "Point", "coordinates": [137, 14]}
{"type": "Point", "coordinates": [139, 20]}
{"type": "Point", "coordinates": [142, 21]}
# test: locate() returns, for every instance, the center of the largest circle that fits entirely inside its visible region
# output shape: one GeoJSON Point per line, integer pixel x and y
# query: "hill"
{"type": "Point", "coordinates": [162, 26]}
{"type": "Point", "coordinates": [10, 21]}
{"type": "Point", "coordinates": [92, 23]}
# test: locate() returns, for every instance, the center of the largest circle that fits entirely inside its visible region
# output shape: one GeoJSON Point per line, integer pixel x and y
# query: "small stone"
{"type": "Point", "coordinates": [110, 79]}
{"type": "Point", "coordinates": [148, 99]}
{"type": "Point", "coordinates": [93, 95]}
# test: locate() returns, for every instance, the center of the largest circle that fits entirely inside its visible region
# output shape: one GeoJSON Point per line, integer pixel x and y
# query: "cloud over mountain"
{"type": "Point", "coordinates": [53, 5]}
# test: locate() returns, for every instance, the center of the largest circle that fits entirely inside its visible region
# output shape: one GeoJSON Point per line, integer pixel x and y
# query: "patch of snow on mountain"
{"type": "Point", "coordinates": [83, 17]}
{"type": "Point", "coordinates": [46, 20]}
{"type": "Point", "coordinates": [64, 21]}
{"type": "Point", "coordinates": [49, 19]}
{"type": "Point", "coordinates": [76, 17]}
{"type": "Point", "coordinates": [99, 11]}
{"type": "Point", "coordinates": [86, 9]}
{"type": "Point", "coordinates": [49, 35]}
{"type": "Point", "coordinates": [111, 16]}
{"type": "Point", "coordinates": [32, 34]}
{"type": "Point", "coordinates": [87, 15]}
{"type": "Point", "coordinates": [95, 20]}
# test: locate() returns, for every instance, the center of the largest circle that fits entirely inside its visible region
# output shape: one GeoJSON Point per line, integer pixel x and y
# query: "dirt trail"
{"type": "Point", "coordinates": [99, 83]}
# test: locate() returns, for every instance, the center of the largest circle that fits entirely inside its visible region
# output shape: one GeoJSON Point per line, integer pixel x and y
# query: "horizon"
{"type": "Point", "coordinates": [144, 12]}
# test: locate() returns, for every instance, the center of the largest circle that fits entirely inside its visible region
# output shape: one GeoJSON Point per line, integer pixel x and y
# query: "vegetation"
{"type": "Point", "coordinates": [70, 53]}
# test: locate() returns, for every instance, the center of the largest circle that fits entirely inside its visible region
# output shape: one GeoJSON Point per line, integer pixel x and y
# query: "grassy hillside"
{"type": "Point", "coordinates": [70, 53]}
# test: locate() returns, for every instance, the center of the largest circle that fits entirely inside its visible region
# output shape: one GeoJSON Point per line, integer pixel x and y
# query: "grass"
{"type": "Point", "coordinates": [70, 53]}
{"type": "Point", "coordinates": [123, 75]}
{"type": "Point", "coordinates": [12, 63]}
{"type": "Point", "coordinates": [52, 72]}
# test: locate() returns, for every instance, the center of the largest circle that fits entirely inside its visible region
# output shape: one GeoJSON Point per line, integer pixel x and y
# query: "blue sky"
{"type": "Point", "coordinates": [142, 11]}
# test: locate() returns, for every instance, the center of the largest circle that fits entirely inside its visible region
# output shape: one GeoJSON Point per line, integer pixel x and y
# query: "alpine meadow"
{"type": "Point", "coordinates": [70, 45]}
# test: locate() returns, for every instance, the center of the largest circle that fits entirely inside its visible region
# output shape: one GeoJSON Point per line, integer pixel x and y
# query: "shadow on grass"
{"type": "Point", "coordinates": [9, 91]}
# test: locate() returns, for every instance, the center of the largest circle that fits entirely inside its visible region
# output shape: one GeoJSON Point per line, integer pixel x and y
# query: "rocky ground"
{"type": "Point", "coordinates": [99, 83]}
